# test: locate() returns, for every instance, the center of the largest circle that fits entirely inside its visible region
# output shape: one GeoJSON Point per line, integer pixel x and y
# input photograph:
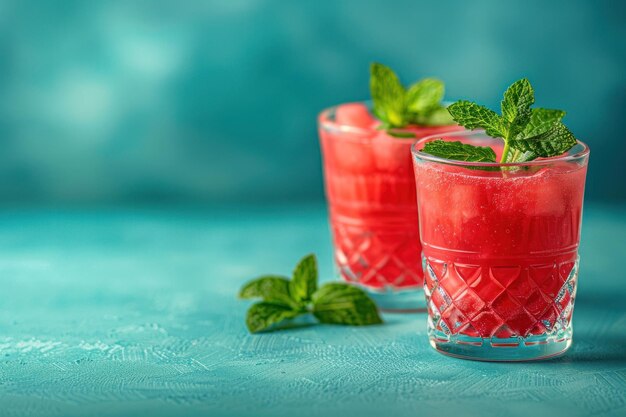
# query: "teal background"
{"type": "Point", "coordinates": [216, 101]}
{"type": "Point", "coordinates": [157, 154]}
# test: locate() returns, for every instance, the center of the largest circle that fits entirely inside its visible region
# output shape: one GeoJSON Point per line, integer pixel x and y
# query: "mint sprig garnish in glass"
{"type": "Point", "coordinates": [370, 185]}
{"type": "Point", "coordinates": [500, 210]}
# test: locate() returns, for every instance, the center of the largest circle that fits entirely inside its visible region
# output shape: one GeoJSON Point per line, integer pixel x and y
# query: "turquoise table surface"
{"type": "Point", "coordinates": [133, 312]}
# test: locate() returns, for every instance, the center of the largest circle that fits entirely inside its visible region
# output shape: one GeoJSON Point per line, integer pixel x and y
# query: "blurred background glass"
{"type": "Point", "coordinates": [216, 101]}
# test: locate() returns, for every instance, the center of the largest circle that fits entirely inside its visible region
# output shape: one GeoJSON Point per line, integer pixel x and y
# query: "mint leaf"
{"type": "Point", "coordinates": [337, 303]}
{"type": "Point", "coordinates": [271, 288]}
{"type": "Point", "coordinates": [304, 281]}
{"type": "Point", "coordinates": [387, 95]}
{"type": "Point", "coordinates": [518, 156]}
{"type": "Point", "coordinates": [437, 116]}
{"type": "Point", "coordinates": [529, 133]}
{"type": "Point", "coordinates": [284, 299]}
{"type": "Point", "coordinates": [397, 107]}
{"type": "Point", "coordinates": [516, 106]}
{"type": "Point", "coordinates": [424, 95]}
{"type": "Point", "coordinates": [400, 134]}
{"type": "Point", "coordinates": [472, 116]}
{"type": "Point", "coordinates": [555, 141]}
{"type": "Point", "coordinates": [262, 316]}
{"type": "Point", "coordinates": [541, 120]}
{"type": "Point", "coordinates": [459, 151]}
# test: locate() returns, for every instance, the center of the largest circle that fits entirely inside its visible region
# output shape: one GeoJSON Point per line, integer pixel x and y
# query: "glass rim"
{"type": "Point", "coordinates": [567, 157]}
{"type": "Point", "coordinates": [333, 126]}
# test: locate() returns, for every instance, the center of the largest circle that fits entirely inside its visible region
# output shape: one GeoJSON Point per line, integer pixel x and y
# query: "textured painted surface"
{"type": "Point", "coordinates": [133, 312]}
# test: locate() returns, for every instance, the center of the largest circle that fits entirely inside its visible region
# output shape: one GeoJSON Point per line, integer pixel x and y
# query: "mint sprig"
{"type": "Point", "coordinates": [515, 107]}
{"type": "Point", "coordinates": [388, 96]}
{"type": "Point", "coordinates": [271, 288]}
{"type": "Point", "coordinates": [283, 299]}
{"type": "Point", "coordinates": [397, 107]}
{"type": "Point", "coordinates": [337, 303]}
{"type": "Point", "coordinates": [460, 151]}
{"type": "Point", "coordinates": [472, 116]}
{"type": "Point", "coordinates": [424, 96]}
{"type": "Point", "coordinates": [263, 315]}
{"type": "Point", "coordinates": [304, 281]}
{"type": "Point", "coordinates": [527, 133]}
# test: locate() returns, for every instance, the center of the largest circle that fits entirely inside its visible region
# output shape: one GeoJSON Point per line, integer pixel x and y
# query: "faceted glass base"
{"type": "Point", "coordinates": [505, 350]}
{"type": "Point", "coordinates": [501, 312]}
{"type": "Point", "coordinates": [398, 301]}
{"type": "Point", "coordinates": [378, 254]}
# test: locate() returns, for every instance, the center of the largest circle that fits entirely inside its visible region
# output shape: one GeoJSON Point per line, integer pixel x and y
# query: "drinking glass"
{"type": "Point", "coordinates": [370, 188]}
{"type": "Point", "coordinates": [500, 250]}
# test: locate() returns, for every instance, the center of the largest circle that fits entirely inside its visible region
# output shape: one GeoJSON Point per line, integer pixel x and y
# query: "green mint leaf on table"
{"type": "Point", "coordinates": [459, 151]}
{"type": "Point", "coordinates": [527, 133]}
{"type": "Point", "coordinates": [304, 281]}
{"type": "Point", "coordinates": [337, 303]}
{"type": "Point", "coordinates": [284, 299]}
{"type": "Point", "coordinates": [271, 288]}
{"type": "Point", "coordinates": [261, 316]}
{"type": "Point", "coordinates": [396, 107]}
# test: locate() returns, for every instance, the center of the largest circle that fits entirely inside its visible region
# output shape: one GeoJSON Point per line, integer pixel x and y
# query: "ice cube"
{"type": "Point", "coordinates": [356, 115]}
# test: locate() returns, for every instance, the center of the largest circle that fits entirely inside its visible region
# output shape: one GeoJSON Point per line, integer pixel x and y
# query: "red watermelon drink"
{"type": "Point", "coordinates": [500, 246]}
{"type": "Point", "coordinates": [370, 187]}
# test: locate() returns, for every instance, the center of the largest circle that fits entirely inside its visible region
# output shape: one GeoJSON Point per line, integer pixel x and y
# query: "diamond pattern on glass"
{"type": "Point", "coordinates": [495, 304]}
{"type": "Point", "coordinates": [378, 257]}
